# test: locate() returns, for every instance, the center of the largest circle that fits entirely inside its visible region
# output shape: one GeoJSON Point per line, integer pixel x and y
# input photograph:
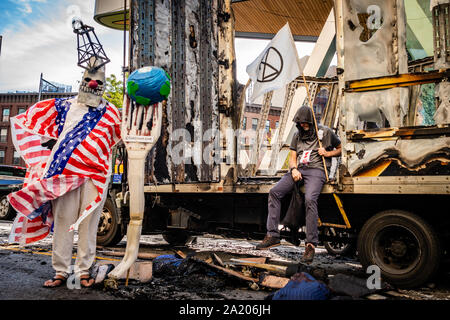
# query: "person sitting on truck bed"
{"type": "Point", "coordinates": [305, 164]}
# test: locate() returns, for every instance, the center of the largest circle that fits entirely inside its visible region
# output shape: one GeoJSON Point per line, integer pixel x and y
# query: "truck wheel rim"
{"type": "Point", "coordinates": [396, 249]}
{"type": "Point", "coordinates": [105, 223]}
{"type": "Point", "coordinates": [4, 206]}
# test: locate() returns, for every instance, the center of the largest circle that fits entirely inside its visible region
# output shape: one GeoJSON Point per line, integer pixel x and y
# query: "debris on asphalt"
{"type": "Point", "coordinates": [352, 286]}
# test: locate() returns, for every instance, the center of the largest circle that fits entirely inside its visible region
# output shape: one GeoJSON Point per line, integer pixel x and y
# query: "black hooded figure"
{"type": "Point", "coordinates": [304, 114]}
{"type": "Point", "coordinates": [306, 166]}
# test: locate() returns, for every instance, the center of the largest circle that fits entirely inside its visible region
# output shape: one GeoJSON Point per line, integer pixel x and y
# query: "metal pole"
{"type": "Point", "coordinates": [315, 124]}
{"type": "Point", "coordinates": [40, 88]}
{"type": "Point", "coordinates": [124, 41]}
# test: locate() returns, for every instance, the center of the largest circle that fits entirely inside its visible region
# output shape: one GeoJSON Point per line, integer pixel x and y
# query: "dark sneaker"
{"type": "Point", "coordinates": [308, 256]}
{"type": "Point", "coordinates": [268, 242]}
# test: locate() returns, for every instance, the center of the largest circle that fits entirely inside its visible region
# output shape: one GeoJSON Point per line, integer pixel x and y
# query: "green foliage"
{"type": "Point", "coordinates": [114, 91]}
{"type": "Point", "coordinates": [428, 104]}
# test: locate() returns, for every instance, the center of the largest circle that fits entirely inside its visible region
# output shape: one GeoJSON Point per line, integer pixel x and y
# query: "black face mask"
{"type": "Point", "coordinates": [306, 134]}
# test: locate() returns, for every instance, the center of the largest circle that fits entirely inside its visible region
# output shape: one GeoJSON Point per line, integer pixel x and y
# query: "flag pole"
{"type": "Point", "coordinates": [315, 124]}
{"type": "Point", "coordinates": [312, 109]}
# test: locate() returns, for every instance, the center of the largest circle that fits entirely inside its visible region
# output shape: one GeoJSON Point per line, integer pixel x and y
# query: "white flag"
{"type": "Point", "coordinates": [276, 66]}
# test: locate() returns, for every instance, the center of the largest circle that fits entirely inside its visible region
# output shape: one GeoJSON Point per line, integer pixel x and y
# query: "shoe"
{"type": "Point", "coordinates": [294, 237]}
{"type": "Point", "coordinates": [308, 256]}
{"type": "Point", "coordinates": [268, 243]}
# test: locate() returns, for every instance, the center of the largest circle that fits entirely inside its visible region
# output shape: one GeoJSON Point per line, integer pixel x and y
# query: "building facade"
{"type": "Point", "coordinates": [252, 116]}
{"type": "Point", "coordinates": [12, 104]}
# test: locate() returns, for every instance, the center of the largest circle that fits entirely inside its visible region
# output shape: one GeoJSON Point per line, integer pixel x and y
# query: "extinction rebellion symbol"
{"type": "Point", "coordinates": [271, 65]}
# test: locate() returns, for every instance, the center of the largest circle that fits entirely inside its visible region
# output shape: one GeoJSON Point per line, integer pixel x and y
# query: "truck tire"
{"type": "Point", "coordinates": [7, 212]}
{"type": "Point", "coordinates": [339, 248]}
{"type": "Point", "coordinates": [109, 232]}
{"type": "Point", "coordinates": [176, 237]}
{"type": "Point", "coordinates": [404, 247]}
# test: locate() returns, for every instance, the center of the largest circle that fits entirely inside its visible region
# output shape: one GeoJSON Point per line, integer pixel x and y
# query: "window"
{"type": "Point", "coordinates": [277, 123]}
{"type": "Point", "coordinates": [244, 123]}
{"type": "Point", "coordinates": [3, 135]}
{"type": "Point", "coordinates": [320, 103]}
{"type": "Point", "coordinates": [254, 123]}
{"type": "Point", "coordinates": [21, 110]}
{"type": "Point", "coordinates": [16, 158]}
{"type": "Point", "coordinates": [5, 116]}
{"type": "Point", "coordinates": [267, 128]}
{"type": "Point", "coordinates": [2, 156]}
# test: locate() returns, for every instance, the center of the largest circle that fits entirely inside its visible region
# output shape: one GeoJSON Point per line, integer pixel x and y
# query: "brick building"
{"type": "Point", "coordinates": [12, 104]}
{"type": "Point", "coordinates": [252, 116]}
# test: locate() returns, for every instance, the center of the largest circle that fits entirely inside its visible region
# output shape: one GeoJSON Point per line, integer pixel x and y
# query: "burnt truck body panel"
{"type": "Point", "coordinates": [385, 149]}
{"type": "Point", "coordinates": [193, 41]}
{"type": "Point", "coordinates": [182, 37]}
{"type": "Point", "coordinates": [390, 109]}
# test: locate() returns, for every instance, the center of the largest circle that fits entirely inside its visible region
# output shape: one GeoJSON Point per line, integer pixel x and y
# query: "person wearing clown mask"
{"type": "Point", "coordinates": [68, 186]}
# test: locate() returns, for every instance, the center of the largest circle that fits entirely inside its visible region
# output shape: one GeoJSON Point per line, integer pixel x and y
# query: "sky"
{"type": "Point", "coordinates": [38, 38]}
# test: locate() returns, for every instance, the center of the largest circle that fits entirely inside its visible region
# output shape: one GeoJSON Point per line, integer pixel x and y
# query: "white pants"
{"type": "Point", "coordinates": [66, 210]}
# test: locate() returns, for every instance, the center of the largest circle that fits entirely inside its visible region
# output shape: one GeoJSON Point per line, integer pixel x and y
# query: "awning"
{"type": "Point", "coordinates": [254, 18]}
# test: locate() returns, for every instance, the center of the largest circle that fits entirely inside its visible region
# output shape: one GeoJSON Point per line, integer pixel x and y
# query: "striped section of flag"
{"type": "Point", "coordinates": [34, 230]}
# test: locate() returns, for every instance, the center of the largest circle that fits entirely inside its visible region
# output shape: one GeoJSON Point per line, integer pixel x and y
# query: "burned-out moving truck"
{"type": "Point", "coordinates": [389, 102]}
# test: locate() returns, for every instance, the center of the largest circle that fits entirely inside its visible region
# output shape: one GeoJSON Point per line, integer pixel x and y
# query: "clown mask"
{"type": "Point", "coordinates": [92, 85]}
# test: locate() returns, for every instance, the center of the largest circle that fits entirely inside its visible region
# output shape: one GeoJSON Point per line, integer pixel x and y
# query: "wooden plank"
{"type": "Point", "coordinates": [232, 272]}
{"type": "Point", "coordinates": [254, 260]}
{"type": "Point", "coordinates": [274, 282]}
{"type": "Point", "coordinates": [217, 260]}
{"type": "Point", "coordinates": [305, 17]}
{"type": "Point", "coordinates": [282, 270]}
{"type": "Point", "coordinates": [181, 254]}
{"type": "Point", "coordinates": [142, 255]}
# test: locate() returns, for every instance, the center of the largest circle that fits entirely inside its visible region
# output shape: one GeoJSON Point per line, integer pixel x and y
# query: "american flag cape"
{"type": "Point", "coordinates": [82, 154]}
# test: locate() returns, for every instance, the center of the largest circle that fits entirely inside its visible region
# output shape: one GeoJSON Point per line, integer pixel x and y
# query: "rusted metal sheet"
{"type": "Point", "coordinates": [205, 98]}
{"type": "Point", "coordinates": [374, 45]}
{"type": "Point", "coordinates": [442, 93]}
{"type": "Point", "coordinates": [157, 161]}
{"type": "Point", "coordinates": [183, 38]}
{"type": "Point", "coordinates": [374, 58]}
{"type": "Point", "coordinates": [395, 133]}
{"type": "Point", "coordinates": [402, 80]}
{"type": "Point", "coordinates": [178, 72]}
{"type": "Point", "coordinates": [441, 15]}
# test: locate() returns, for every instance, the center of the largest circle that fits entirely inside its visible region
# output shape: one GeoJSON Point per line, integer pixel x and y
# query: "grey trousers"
{"type": "Point", "coordinates": [314, 179]}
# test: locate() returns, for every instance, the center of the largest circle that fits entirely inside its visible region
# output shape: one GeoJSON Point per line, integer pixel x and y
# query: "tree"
{"type": "Point", "coordinates": [114, 91]}
{"type": "Point", "coordinates": [428, 103]}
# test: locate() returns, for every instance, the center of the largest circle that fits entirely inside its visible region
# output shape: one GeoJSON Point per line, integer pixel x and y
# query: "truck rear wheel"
{"type": "Point", "coordinates": [176, 237]}
{"type": "Point", "coordinates": [343, 245]}
{"type": "Point", "coordinates": [109, 232]}
{"type": "Point", "coordinates": [402, 245]}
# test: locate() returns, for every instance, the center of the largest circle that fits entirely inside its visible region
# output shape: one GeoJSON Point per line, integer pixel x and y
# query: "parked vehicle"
{"type": "Point", "coordinates": [11, 179]}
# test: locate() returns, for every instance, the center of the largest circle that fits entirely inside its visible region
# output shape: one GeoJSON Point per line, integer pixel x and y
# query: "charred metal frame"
{"type": "Point", "coordinates": [178, 76]}
{"type": "Point", "coordinates": [401, 80]}
{"type": "Point", "coordinates": [441, 35]}
{"type": "Point", "coordinates": [229, 178]}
